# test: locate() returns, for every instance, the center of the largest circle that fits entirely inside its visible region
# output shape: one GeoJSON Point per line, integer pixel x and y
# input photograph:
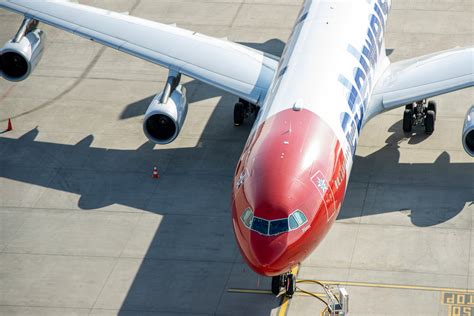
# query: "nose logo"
{"type": "Point", "coordinates": [322, 185]}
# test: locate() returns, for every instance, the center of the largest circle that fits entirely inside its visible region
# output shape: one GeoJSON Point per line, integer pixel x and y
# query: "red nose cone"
{"type": "Point", "coordinates": [272, 257]}
{"type": "Point", "coordinates": [287, 166]}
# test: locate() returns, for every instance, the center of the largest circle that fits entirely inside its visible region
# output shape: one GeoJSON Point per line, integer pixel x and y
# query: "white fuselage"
{"type": "Point", "coordinates": [330, 65]}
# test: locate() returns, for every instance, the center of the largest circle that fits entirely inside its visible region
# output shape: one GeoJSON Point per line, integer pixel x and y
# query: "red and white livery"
{"type": "Point", "coordinates": [312, 103]}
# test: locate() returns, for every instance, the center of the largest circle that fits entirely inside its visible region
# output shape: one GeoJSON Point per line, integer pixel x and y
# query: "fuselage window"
{"type": "Point", "coordinates": [278, 226]}
{"type": "Point", "coordinates": [260, 225]}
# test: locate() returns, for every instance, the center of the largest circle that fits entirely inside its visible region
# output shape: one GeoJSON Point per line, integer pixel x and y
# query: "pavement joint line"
{"type": "Point", "coordinates": [100, 78]}
{"type": "Point", "coordinates": [106, 281]}
{"type": "Point", "coordinates": [378, 270]}
{"type": "Point", "coordinates": [6, 209]}
{"type": "Point", "coordinates": [67, 90]}
{"type": "Point", "coordinates": [101, 309]}
{"type": "Point", "coordinates": [470, 255]}
{"type": "Point", "coordinates": [236, 15]}
{"type": "Point", "coordinates": [117, 257]}
{"type": "Point", "coordinates": [7, 93]}
{"type": "Point", "coordinates": [413, 147]}
{"type": "Point", "coordinates": [404, 226]}
{"type": "Point", "coordinates": [364, 205]}
{"type": "Point", "coordinates": [231, 268]}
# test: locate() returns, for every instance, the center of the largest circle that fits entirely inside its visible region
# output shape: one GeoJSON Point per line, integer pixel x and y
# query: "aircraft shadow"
{"type": "Point", "coordinates": [83, 170]}
{"type": "Point", "coordinates": [110, 177]}
{"type": "Point", "coordinates": [107, 179]}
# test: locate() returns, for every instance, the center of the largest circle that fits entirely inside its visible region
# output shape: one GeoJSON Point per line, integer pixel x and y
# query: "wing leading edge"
{"type": "Point", "coordinates": [419, 78]}
{"type": "Point", "coordinates": [234, 68]}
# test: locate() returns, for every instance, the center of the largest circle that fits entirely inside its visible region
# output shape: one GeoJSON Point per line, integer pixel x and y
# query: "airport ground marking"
{"type": "Point", "coordinates": [267, 292]}
{"type": "Point", "coordinates": [457, 295]}
{"type": "Point", "coordinates": [399, 286]}
{"type": "Point", "coordinates": [459, 304]}
{"type": "Point", "coordinates": [365, 284]}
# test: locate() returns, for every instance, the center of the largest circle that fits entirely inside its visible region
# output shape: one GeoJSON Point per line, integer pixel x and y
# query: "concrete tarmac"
{"type": "Point", "coordinates": [85, 230]}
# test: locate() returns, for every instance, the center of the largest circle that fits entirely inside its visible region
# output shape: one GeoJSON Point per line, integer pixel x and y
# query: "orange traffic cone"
{"type": "Point", "coordinates": [10, 126]}
{"type": "Point", "coordinates": [155, 173]}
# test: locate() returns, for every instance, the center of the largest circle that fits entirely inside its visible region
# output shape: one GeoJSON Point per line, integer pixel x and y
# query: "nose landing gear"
{"type": "Point", "coordinates": [285, 281]}
{"type": "Point", "coordinates": [244, 110]}
{"type": "Point", "coordinates": [420, 113]}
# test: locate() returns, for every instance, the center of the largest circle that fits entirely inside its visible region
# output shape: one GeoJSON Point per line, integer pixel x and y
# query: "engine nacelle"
{"type": "Point", "coordinates": [468, 132]}
{"type": "Point", "coordinates": [19, 59]}
{"type": "Point", "coordinates": [163, 121]}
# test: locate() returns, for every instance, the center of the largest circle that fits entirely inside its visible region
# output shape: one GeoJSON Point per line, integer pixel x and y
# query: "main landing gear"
{"type": "Point", "coordinates": [286, 281]}
{"type": "Point", "coordinates": [244, 110]}
{"type": "Point", "coordinates": [420, 113]}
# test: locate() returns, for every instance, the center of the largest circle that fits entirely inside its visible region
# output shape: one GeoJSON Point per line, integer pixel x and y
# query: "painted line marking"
{"type": "Point", "coordinates": [396, 286]}
{"type": "Point", "coordinates": [464, 296]}
{"type": "Point", "coordinates": [455, 310]}
{"type": "Point", "coordinates": [449, 298]}
{"type": "Point", "coordinates": [267, 292]}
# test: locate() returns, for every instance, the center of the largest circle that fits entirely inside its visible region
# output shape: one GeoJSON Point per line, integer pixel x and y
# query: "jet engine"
{"type": "Point", "coordinates": [20, 55]}
{"type": "Point", "coordinates": [468, 132]}
{"type": "Point", "coordinates": [165, 116]}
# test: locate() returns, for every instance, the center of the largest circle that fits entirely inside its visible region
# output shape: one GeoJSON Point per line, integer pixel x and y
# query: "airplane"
{"type": "Point", "coordinates": [309, 106]}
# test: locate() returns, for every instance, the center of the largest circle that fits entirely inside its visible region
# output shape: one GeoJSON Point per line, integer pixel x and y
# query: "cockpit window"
{"type": "Point", "coordinates": [300, 217]}
{"type": "Point", "coordinates": [247, 217]}
{"type": "Point", "coordinates": [273, 227]}
{"type": "Point", "coordinates": [293, 222]}
{"type": "Point", "coordinates": [278, 226]}
{"type": "Point", "coordinates": [260, 225]}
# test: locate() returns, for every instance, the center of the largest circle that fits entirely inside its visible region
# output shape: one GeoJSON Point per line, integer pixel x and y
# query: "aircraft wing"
{"type": "Point", "coordinates": [419, 78]}
{"type": "Point", "coordinates": [234, 68]}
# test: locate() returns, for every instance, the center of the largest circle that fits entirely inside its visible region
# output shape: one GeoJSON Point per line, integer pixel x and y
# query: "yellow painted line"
{"type": "Point", "coordinates": [397, 286]}
{"type": "Point", "coordinates": [249, 291]}
{"type": "Point", "coordinates": [286, 301]}
{"type": "Point", "coordinates": [266, 292]}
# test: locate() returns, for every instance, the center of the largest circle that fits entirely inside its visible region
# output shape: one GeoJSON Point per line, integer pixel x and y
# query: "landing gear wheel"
{"type": "Point", "coordinates": [432, 107]}
{"type": "Point", "coordinates": [408, 120]}
{"type": "Point", "coordinates": [430, 122]}
{"type": "Point", "coordinates": [276, 284]}
{"type": "Point", "coordinates": [239, 114]}
{"type": "Point", "coordinates": [290, 287]}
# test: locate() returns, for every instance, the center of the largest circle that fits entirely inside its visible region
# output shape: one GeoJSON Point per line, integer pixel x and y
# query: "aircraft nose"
{"type": "Point", "coordinates": [269, 256]}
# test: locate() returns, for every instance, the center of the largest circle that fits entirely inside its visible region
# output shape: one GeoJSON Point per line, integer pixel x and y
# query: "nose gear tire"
{"type": "Point", "coordinates": [239, 114]}
{"type": "Point", "coordinates": [276, 284]}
